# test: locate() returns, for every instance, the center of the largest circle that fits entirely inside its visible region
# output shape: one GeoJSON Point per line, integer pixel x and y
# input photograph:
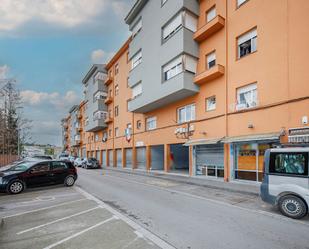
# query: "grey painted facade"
{"type": "Point", "coordinates": [92, 86]}
{"type": "Point", "coordinates": [156, 53]}
{"type": "Point", "coordinates": [74, 133]}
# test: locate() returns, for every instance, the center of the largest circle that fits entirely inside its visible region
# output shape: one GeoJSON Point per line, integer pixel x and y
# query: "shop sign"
{"type": "Point", "coordinates": [299, 135]}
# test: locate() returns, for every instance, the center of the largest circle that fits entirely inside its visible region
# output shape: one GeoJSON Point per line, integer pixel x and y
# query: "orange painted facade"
{"type": "Point", "coordinates": [278, 69]}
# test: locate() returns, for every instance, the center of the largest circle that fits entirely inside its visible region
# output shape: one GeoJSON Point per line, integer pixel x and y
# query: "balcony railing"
{"type": "Point", "coordinates": [210, 74]}
{"type": "Point", "coordinates": [209, 29]}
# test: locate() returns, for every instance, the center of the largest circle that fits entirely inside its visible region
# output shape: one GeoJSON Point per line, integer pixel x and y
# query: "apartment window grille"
{"type": "Point", "coordinates": [211, 103]}
{"type": "Point", "coordinates": [137, 90]}
{"type": "Point", "coordinates": [211, 60]}
{"type": "Point", "coordinates": [186, 113]}
{"type": "Point", "coordinates": [137, 59]}
{"type": "Point", "coordinates": [247, 97]}
{"type": "Point", "coordinates": [247, 43]}
{"type": "Point", "coordinates": [137, 28]}
{"type": "Point", "coordinates": [211, 14]}
{"type": "Point", "coordinates": [151, 123]}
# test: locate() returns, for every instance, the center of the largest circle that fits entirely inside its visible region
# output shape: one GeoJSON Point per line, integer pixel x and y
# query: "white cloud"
{"type": "Point", "coordinates": [67, 13]}
{"type": "Point", "coordinates": [100, 56]}
{"type": "Point", "coordinates": [4, 70]}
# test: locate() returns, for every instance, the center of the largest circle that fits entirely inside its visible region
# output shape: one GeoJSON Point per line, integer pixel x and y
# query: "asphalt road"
{"type": "Point", "coordinates": [187, 216]}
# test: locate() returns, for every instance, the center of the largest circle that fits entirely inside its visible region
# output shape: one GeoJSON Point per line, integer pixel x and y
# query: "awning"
{"type": "Point", "coordinates": [255, 137]}
{"type": "Point", "coordinates": [203, 142]}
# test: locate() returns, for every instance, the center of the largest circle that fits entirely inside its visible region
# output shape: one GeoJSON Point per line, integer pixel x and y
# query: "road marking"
{"type": "Point", "coordinates": [280, 217]}
{"type": "Point", "coordinates": [80, 233]}
{"type": "Point", "coordinates": [45, 208]}
{"type": "Point", "coordinates": [58, 220]}
{"type": "Point", "coordinates": [141, 230]}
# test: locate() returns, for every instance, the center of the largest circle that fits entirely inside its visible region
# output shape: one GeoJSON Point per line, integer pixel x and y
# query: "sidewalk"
{"type": "Point", "coordinates": [239, 187]}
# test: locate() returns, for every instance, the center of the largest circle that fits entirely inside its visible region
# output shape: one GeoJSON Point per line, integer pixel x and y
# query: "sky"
{"type": "Point", "coordinates": [49, 47]}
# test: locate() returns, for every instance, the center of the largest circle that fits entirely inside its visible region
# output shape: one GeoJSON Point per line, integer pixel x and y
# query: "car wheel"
{"type": "Point", "coordinates": [292, 206]}
{"type": "Point", "coordinates": [16, 187]}
{"type": "Point", "coordinates": [69, 181]}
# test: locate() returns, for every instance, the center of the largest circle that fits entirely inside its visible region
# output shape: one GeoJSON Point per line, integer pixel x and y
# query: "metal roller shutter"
{"type": "Point", "coordinates": [129, 160]}
{"type": "Point", "coordinates": [110, 158]}
{"type": "Point", "coordinates": [141, 157]}
{"type": "Point", "coordinates": [209, 159]}
{"type": "Point", "coordinates": [104, 158]}
{"type": "Point", "coordinates": [97, 156]}
{"type": "Point", "coordinates": [119, 158]}
{"type": "Point", "coordinates": [157, 157]}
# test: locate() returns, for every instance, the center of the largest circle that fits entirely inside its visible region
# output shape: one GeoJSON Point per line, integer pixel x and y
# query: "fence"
{"type": "Point", "coordinates": [7, 159]}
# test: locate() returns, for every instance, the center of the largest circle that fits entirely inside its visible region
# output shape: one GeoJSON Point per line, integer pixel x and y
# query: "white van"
{"type": "Point", "coordinates": [286, 180]}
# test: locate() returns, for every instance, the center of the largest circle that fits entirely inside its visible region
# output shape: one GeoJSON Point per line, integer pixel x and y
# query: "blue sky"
{"type": "Point", "coordinates": [49, 47]}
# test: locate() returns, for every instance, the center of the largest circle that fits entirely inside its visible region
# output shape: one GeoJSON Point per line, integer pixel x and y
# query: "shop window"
{"type": "Point", "coordinates": [289, 164]}
{"type": "Point", "coordinates": [247, 43]}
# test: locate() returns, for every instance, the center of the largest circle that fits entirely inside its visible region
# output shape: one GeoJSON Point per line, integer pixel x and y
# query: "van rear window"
{"type": "Point", "coordinates": [290, 163]}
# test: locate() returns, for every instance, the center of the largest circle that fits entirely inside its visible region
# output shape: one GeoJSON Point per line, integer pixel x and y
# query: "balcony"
{"type": "Point", "coordinates": [108, 100]}
{"type": "Point", "coordinates": [79, 115]}
{"type": "Point", "coordinates": [210, 74]}
{"type": "Point", "coordinates": [108, 80]}
{"type": "Point", "coordinates": [209, 29]}
{"type": "Point", "coordinates": [109, 120]}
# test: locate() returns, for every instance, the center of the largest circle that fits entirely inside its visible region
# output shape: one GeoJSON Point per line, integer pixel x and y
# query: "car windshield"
{"type": "Point", "coordinates": [22, 166]}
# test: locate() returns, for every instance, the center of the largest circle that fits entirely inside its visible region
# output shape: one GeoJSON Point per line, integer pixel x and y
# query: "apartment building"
{"type": "Point", "coordinates": [200, 91]}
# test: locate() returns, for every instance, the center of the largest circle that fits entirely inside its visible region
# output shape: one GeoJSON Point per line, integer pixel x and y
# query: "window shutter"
{"type": "Point", "coordinates": [248, 36]}
{"type": "Point", "coordinates": [169, 28]}
{"type": "Point", "coordinates": [190, 22]}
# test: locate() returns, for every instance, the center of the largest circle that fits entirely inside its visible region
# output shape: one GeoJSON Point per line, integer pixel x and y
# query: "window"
{"type": "Point", "coordinates": [151, 123]}
{"type": "Point", "coordinates": [246, 97]}
{"type": "Point", "coordinates": [86, 121]}
{"type": "Point", "coordinates": [185, 19]}
{"type": "Point", "coordinates": [110, 133]}
{"type": "Point", "coordinates": [99, 115]}
{"type": "Point", "coordinates": [116, 111]}
{"type": "Point", "coordinates": [110, 93]}
{"type": "Point", "coordinates": [136, 28]}
{"type": "Point", "coordinates": [116, 90]}
{"type": "Point", "coordinates": [96, 138]}
{"type": "Point", "coordinates": [117, 68]}
{"type": "Point", "coordinates": [211, 14]}
{"type": "Point", "coordinates": [104, 138]}
{"type": "Point", "coordinates": [116, 132]}
{"type": "Point", "coordinates": [240, 2]}
{"type": "Point", "coordinates": [186, 113]}
{"type": "Point", "coordinates": [99, 95]}
{"type": "Point", "coordinates": [292, 163]}
{"type": "Point", "coordinates": [137, 90]}
{"type": "Point", "coordinates": [247, 43]}
{"type": "Point", "coordinates": [137, 59]}
{"type": "Point", "coordinates": [211, 103]}
{"type": "Point", "coordinates": [59, 166]}
{"type": "Point", "coordinates": [139, 124]}
{"type": "Point", "coordinates": [178, 65]}
{"type": "Point", "coordinates": [211, 60]}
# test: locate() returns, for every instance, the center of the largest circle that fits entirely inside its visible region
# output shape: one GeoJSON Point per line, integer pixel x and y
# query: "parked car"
{"type": "Point", "coordinates": [286, 180]}
{"type": "Point", "coordinates": [29, 174]}
{"type": "Point", "coordinates": [91, 163]}
{"type": "Point", "coordinates": [72, 159]}
{"type": "Point", "coordinates": [78, 162]}
{"type": "Point", "coordinates": [63, 157]}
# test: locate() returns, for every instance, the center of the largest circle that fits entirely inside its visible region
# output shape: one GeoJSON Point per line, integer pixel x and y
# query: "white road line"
{"type": "Point", "coordinates": [58, 220]}
{"type": "Point", "coordinates": [280, 217]}
{"type": "Point", "coordinates": [79, 233]}
{"type": "Point", "coordinates": [147, 234]}
{"type": "Point", "coordinates": [45, 208]}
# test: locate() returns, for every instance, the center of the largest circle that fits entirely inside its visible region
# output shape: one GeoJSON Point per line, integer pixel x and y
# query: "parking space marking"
{"type": "Point", "coordinates": [80, 233]}
{"type": "Point", "coordinates": [40, 209]}
{"type": "Point", "coordinates": [141, 230]}
{"type": "Point", "coordinates": [58, 220]}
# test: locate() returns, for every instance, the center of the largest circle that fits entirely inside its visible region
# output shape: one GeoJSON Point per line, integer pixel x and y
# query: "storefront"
{"type": "Point", "coordinates": [247, 155]}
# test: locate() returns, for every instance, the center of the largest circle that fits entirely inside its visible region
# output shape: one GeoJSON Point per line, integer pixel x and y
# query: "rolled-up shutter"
{"type": "Point", "coordinates": [110, 158]}
{"type": "Point", "coordinates": [141, 157]}
{"type": "Point", "coordinates": [129, 160]}
{"type": "Point", "coordinates": [119, 158]}
{"type": "Point", "coordinates": [104, 158]}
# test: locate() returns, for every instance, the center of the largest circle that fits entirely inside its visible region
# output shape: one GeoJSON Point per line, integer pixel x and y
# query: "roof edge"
{"type": "Point", "coordinates": [137, 7]}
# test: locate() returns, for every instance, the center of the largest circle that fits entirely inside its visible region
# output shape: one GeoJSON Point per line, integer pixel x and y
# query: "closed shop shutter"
{"type": "Point", "coordinates": [110, 158]}
{"type": "Point", "coordinates": [157, 157]}
{"type": "Point", "coordinates": [210, 160]}
{"type": "Point", "coordinates": [141, 157]}
{"type": "Point", "coordinates": [119, 158]}
{"type": "Point", "coordinates": [129, 160]}
{"type": "Point", "coordinates": [98, 155]}
{"type": "Point", "coordinates": [104, 158]}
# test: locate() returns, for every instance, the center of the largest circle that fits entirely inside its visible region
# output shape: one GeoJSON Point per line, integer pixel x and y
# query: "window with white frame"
{"type": "Point", "coordinates": [211, 59]}
{"type": "Point", "coordinates": [247, 43]}
{"type": "Point", "coordinates": [211, 14]}
{"type": "Point", "coordinates": [211, 103]}
{"type": "Point", "coordinates": [178, 65]}
{"type": "Point", "coordinates": [186, 113]}
{"type": "Point", "coordinates": [99, 95]}
{"type": "Point", "coordinates": [241, 2]}
{"type": "Point", "coordinates": [96, 137]}
{"type": "Point", "coordinates": [137, 59]}
{"type": "Point", "coordinates": [183, 19]}
{"type": "Point", "coordinates": [247, 97]}
{"type": "Point", "coordinates": [136, 28]}
{"type": "Point", "coordinates": [151, 123]}
{"type": "Point", "coordinates": [99, 115]}
{"type": "Point", "coordinates": [137, 90]}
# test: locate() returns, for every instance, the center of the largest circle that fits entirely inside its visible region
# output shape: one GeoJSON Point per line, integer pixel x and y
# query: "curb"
{"type": "Point", "coordinates": [241, 188]}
